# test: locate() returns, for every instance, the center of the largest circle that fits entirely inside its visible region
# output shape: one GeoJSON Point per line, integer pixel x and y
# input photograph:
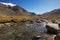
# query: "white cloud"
{"type": "Point", "coordinates": [8, 4]}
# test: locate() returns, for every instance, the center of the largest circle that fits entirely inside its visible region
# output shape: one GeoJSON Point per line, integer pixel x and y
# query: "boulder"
{"type": "Point", "coordinates": [36, 38]}
{"type": "Point", "coordinates": [2, 25]}
{"type": "Point", "coordinates": [52, 27]}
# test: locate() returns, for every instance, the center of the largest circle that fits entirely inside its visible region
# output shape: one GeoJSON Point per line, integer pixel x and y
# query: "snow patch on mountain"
{"type": "Point", "coordinates": [8, 4]}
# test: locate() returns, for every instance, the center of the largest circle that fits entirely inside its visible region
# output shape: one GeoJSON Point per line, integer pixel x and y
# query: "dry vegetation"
{"type": "Point", "coordinates": [18, 19]}
{"type": "Point", "coordinates": [26, 18]}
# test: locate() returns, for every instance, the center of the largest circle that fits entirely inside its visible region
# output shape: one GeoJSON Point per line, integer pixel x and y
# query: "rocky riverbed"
{"type": "Point", "coordinates": [26, 30]}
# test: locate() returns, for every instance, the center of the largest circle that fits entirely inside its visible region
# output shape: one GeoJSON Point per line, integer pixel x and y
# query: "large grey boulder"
{"type": "Point", "coordinates": [52, 27]}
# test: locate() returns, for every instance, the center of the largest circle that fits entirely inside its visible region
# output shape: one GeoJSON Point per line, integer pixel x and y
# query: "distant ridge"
{"type": "Point", "coordinates": [54, 13]}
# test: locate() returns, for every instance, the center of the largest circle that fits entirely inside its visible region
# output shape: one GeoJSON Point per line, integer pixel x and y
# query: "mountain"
{"type": "Point", "coordinates": [9, 9]}
{"type": "Point", "coordinates": [54, 13]}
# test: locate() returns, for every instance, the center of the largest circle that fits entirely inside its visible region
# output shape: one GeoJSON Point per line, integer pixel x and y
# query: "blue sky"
{"type": "Point", "coordinates": [37, 6]}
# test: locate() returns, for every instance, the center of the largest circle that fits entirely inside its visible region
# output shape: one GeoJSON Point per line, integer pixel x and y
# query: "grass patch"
{"type": "Point", "coordinates": [18, 19]}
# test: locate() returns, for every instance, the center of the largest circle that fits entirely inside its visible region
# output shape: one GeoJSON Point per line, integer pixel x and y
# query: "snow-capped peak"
{"type": "Point", "coordinates": [10, 4]}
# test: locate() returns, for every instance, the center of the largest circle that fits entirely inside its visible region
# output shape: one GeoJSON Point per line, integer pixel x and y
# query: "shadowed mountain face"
{"type": "Point", "coordinates": [11, 10]}
{"type": "Point", "coordinates": [54, 13]}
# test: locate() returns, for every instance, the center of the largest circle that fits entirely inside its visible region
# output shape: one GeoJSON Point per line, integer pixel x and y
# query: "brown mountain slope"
{"type": "Point", "coordinates": [53, 14]}
{"type": "Point", "coordinates": [11, 11]}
